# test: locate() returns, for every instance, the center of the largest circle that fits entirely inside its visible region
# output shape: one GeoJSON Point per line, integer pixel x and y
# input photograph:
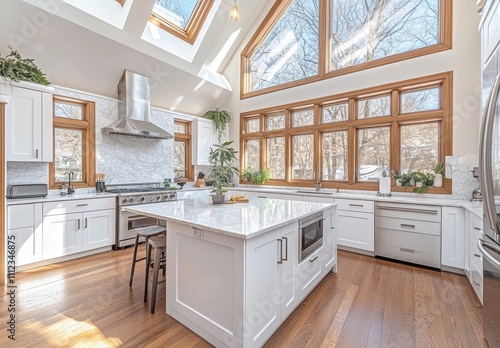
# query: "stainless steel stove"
{"type": "Point", "coordinates": [135, 194]}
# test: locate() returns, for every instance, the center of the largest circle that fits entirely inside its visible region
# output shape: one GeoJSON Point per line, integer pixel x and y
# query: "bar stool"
{"type": "Point", "coordinates": [146, 233]}
{"type": "Point", "coordinates": [159, 244]}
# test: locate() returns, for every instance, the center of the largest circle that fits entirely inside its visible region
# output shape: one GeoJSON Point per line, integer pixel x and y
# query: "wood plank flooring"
{"type": "Point", "coordinates": [369, 303]}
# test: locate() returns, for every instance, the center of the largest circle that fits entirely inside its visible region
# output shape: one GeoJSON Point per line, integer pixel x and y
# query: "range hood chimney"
{"type": "Point", "coordinates": [134, 109]}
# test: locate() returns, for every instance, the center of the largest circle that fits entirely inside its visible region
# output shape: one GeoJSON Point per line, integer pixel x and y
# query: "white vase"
{"type": "Point", "coordinates": [398, 182]}
{"type": "Point", "coordinates": [438, 180]}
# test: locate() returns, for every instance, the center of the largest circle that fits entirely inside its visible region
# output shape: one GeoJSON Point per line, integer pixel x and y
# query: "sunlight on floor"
{"type": "Point", "coordinates": [68, 332]}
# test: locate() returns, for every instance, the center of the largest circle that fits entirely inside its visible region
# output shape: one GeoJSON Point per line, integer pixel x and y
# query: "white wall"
{"type": "Point", "coordinates": [463, 59]}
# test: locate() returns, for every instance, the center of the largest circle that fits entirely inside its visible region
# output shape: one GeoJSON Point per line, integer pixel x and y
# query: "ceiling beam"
{"type": "Point", "coordinates": [138, 17]}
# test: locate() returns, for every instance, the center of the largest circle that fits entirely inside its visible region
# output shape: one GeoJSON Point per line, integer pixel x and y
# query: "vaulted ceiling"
{"type": "Point", "coordinates": [86, 45]}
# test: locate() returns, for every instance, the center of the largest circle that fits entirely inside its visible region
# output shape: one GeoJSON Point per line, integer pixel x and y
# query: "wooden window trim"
{"type": "Point", "coordinates": [280, 6]}
{"type": "Point", "coordinates": [187, 139]}
{"type": "Point", "coordinates": [87, 126]}
{"type": "Point", "coordinates": [121, 2]}
{"type": "Point", "coordinates": [194, 25]}
{"type": "Point", "coordinates": [443, 115]}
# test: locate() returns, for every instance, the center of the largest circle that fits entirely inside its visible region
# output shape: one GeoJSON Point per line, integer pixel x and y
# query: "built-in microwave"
{"type": "Point", "coordinates": [310, 234]}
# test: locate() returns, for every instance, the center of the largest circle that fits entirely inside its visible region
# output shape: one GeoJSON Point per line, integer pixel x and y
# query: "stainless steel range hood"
{"type": "Point", "coordinates": [134, 109]}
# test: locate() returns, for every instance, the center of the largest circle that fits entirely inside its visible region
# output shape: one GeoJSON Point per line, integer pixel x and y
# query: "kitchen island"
{"type": "Point", "coordinates": [234, 272]}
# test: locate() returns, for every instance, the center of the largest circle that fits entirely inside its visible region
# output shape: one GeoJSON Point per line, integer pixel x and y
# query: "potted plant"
{"type": "Point", "coordinates": [396, 177]}
{"type": "Point", "coordinates": [438, 174]}
{"type": "Point", "coordinates": [14, 68]}
{"type": "Point", "coordinates": [222, 171]}
{"type": "Point", "coordinates": [422, 181]}
{"type": "Point", "coordinates": [221, 119]}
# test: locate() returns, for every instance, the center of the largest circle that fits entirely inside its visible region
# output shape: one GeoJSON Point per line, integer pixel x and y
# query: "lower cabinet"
{"type": "Point", "coordinates": [24, 222]}
{"type": "Point", "coordinates": [475, 273]}
{"type": "Point", "coordinates": [453, 237]}
{"type": "Point", "coordinates": [355, 222]}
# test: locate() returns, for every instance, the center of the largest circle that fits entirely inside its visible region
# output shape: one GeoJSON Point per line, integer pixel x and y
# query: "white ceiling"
{"type": "Point", "coordinates": [78, 50]}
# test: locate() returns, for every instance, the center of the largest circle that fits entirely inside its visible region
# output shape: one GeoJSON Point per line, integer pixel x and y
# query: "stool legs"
{"type": "Point", "coordinates": [134, 259]}
{"type": "Point", "coordinates": [156, 269]}
{"type": "Point", "coordinates": [148, 262]}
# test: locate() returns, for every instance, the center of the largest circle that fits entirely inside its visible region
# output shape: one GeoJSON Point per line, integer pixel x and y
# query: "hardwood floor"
{"type": "Point", "coordinates": [369, 303]}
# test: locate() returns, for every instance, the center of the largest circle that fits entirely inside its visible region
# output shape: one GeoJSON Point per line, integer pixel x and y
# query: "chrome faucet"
{"type": "Point", "coordinates": [71, 190]}
{"type": "Point", "coordinates": [338, 189]}
{"type": "Point", "coordinates": [317, 186]}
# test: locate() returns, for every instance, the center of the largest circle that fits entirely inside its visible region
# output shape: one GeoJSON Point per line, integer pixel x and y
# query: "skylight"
{"type": "Point", "coordinates": [183, 18]}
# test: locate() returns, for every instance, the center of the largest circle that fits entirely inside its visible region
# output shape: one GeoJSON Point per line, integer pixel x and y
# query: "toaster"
{"type": "Point", "coordinates": [27, 190]}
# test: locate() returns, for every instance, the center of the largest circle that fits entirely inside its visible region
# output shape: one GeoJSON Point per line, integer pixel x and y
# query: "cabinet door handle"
{"type": "Point", "coordinates": [407, 250]}
{"type": "Point", "coordinates": [78, 224]}
{"type": "Point", "coordinates": [407, 225]}
{"type": "Point", "coordinates": [311, 261]}
{"type": "Point", "coordinates": [286, 249]}
{"type": "Point", "coordinates": [477, 228]}
{"type": "Point", "coordinates": [476, 283]}
{"type": "Point", "coordinates": [85, 223]}
{"type": "Point", "coordinates": [280, 241]}
{"type": "Point", "coordinates": [82, 205]}
{"type": "Point", "coordinates": [426, 211]}
{"type": "Point", "coordinates": [477, 255]}
{"type": "Point", "coordinates": [36, 153]}
{"type": "Point", "coordinates": [356, 205]}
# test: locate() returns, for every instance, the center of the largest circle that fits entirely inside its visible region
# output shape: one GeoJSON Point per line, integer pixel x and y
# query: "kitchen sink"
{"type": "Point", "coordinates": [315, 192]}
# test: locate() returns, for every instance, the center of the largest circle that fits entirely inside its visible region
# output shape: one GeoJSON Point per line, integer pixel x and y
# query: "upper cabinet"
{"type": "Point", "coordinates": [203, 140]}
{"type": "Point", "coordinates": [28, 122]}
{"type": "Point", "coordinates": [490, 28]}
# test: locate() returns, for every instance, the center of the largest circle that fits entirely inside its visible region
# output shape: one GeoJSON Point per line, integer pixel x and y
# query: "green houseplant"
{"type": "Point", "coordinates": [256, 176]}
{"type": "Point", "coordinates": [14, 68]}
{"type": "Point", "coordinates": [220, 118]}
{"type": "Point", "coordinates": [221, 159]}
{"type": "Point", "coordinates": [438, 174]}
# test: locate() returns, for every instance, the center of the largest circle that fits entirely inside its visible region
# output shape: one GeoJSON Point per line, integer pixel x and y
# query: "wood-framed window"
{"type": "Point", "coordinates": [74, 143]}
{"type": "Point", "coordinates": [182, 150]}
{"type": "Point", "coordinates": [348, 140]}
{"type": "Point", "coordinates": [303, 41]}
{"type": "Point", "coordinates": [183, 19]}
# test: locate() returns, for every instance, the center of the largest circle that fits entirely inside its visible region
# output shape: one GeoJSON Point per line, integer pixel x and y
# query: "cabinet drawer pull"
{"type": "Point", "coordinates": [407, 225]}
{"type": "Point", "coordinates": [82, 205]}
{"type": "Point", "coordinates": [85, 223]}
{"type": "Point", "coordinates": [477, 255]}
{"type": "Point", "coordinates": [407, 250]}
{"type": "Point", "coordinates": [286, 249]}
{"type": "Point", "coordinates": [261, 197]}
{"type": "Point", "coordinates": [356, 205]}
{"type": "Point", "coordinates": [311, 261]}
{"type": "Point", "coordinates": [426, 211]}
{"type": "Point", "coordinates": [476, 283]}
{"type": "Point", "coordinates": [36, 153]}
{"type": "Point", "coordinates": [78, 224]}
{"type": "Point", "coordinates": [280, 241]}
{"type": "Point", "coordinates": [477, 228]}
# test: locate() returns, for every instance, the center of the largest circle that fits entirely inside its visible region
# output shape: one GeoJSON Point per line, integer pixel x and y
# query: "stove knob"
{"type": "Point", "coordinates": [165, 196]}
{"type": "Point", "coordinates": [131, 200]}
{"type": "Point", "coordinates": [158, 197]}
{"type": "Point", "coordinates": [124, 200]}
{"type": "Point", "coordinates": [172, 195]}
{"type": "Point", "coordinates": [142, 199]}
{"type": "Point", "coordinates": [151, 198]}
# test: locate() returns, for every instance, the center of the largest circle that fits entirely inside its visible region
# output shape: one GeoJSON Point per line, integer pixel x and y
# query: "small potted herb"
{"type": "Point", "coordinates": [438, 174]}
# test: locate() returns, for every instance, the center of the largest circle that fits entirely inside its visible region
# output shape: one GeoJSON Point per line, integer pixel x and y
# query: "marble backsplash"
{"type": "Point", "coordinates": [123, 159]}
{"type": "Point", "coordinates": [459, 169]}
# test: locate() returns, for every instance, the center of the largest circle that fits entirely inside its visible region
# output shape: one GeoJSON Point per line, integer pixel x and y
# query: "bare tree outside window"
{"type": "Point", "coordinates": [334, 156]}
{"type": "Point", "coordinates": [363, 31]}
{"type": "Point", "coordinates": [68, 110]}
{"type": "Point", "coordinates": [252, 125]}
{"type": "Point", "coordinates": [335, 113]}
{"type": "Point", "coordinates": [276, 157]}
{"type": "Point", "coordinates": [302, 157]}
{"type": "Point", "coordinates": [302, 118]}
{"type": "Point", "coordinates": [275, 122]}
{"type": "Point", "coordinates": [374, 107]}
{"type": "Point", "coordinates": [179, 159]}
{"type": "Point", "coordinates": [252, 153]}
{"type": "Point", "coordinates": [373, 153]}
{"type": "Point", "coordinates": [68, 153]}
{"type": "Point", "coordinates": [290, 50]}
{"type": "Point", "coordinates": [423, 100]}
{"type": "Point", "coordinates": [177, 12]}
{"type": "Point", "coordinates": [419, 147]}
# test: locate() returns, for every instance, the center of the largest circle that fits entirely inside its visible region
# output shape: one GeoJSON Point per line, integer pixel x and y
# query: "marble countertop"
{"type": "Point", "coordinates": [55, 198]}
{"type": "Point", "coordinates": [475, 207]}
{"type": "Point", "coordinates": [241, 220]}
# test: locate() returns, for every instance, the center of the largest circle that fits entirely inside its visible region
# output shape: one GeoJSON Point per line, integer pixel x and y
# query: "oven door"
{"type": "Point", "coordinates": [127, 224]}
{"type": "Point", "coordinates": [310, 234]}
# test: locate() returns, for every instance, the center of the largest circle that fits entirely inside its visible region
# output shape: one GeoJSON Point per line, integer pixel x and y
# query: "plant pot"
{"type": "Point", "coordinates": [398, 182]}
{"type": "Point", "coordinates": [418, 184]}
{"type": "Point", "coordinates": [218, 199]}
{"type": "Point", "coordinates": [438, 180]}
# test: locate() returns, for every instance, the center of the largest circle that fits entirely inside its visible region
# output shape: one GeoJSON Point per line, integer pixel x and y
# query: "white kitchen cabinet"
{"type": "Point", "coordinates": [490, 29]}
{"type": "Point", "coordinates": [329, 261]}
{"type": "Point", "coordinates": [355, 223]}
{"type": "Point", "coordinates": [78, 225]}
{"type": "Point", "coordinates": [203, 140]}
{"type": "Point", "coordinates": [272, 195]}
{"type": "Point", "coordinates": [475, 255]}
{"type": "Point", "coordinates": [24, 222]}
{"type": "Point", "coordinates": [28, 123]}
{"type": "Point", "coordinates": [453, 237]}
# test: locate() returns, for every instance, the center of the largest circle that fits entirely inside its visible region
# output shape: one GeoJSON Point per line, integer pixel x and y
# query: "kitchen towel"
{"type": "Point", "coordinates": [384, 185]}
